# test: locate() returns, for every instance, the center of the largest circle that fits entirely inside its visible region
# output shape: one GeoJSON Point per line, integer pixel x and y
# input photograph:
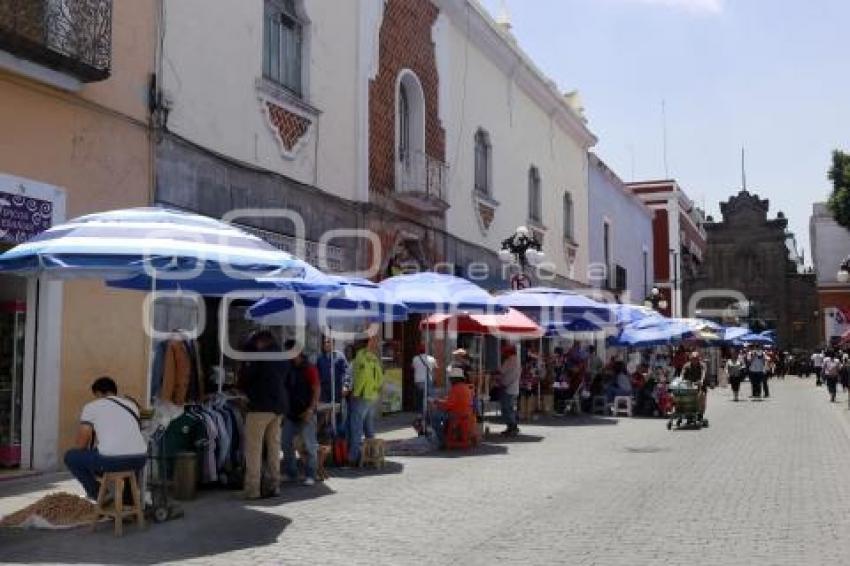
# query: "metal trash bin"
{"type": "Point", "coordinates": [185, 482]}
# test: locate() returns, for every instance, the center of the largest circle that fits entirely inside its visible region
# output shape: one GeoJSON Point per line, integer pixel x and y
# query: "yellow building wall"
{"type": "Point", "coordinates": [95, 145]}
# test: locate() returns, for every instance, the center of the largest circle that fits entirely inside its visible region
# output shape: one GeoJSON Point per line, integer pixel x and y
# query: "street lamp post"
{"type": "Point", "coordinates": [523, 249]}
{"type": "Point", "coordinates": [655, 300]}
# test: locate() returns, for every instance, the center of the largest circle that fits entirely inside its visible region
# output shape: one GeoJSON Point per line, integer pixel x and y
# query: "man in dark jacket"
{"type": "Point", "coordinates": [264, 383]}
{"type": "Point", "coordinates": [303, 390]}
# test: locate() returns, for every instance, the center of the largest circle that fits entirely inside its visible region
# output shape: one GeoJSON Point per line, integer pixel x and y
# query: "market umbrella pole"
{"type": "Point", "coordinates": [427, 376]}
{"type": "Point", "coordinates": [333, 382]}
{"type": "Point", "coordinates": [151, 353]}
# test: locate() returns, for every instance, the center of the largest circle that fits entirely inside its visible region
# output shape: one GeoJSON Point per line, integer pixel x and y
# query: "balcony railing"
{"type": "Point", "coordinates": [422, 178]}
{"type": "Point", "coordinates": [71, 36]}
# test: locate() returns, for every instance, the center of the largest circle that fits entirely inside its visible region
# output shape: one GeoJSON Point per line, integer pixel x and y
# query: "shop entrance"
{"type": "Point", "coordinates": [13, 307]}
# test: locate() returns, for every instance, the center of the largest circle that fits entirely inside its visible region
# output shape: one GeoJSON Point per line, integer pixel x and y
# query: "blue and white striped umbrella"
{"type": "Point", "coordinates": [560, 306]}
{"type": "Point", "coordinates": [429, 292]}
{"type": "Point", "coordinates": [134, 246]}
{"type": "Point", "coordinates": [358, 299]}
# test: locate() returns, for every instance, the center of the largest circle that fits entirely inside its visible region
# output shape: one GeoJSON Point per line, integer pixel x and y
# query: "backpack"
{"type": "Point", "coordinates": [300, 392]}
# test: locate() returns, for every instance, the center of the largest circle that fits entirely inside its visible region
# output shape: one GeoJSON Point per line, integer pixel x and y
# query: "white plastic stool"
{"type": "Point", "coordinates": [599, 405]}
{"type": "Point", "coordinates": [622, 406]}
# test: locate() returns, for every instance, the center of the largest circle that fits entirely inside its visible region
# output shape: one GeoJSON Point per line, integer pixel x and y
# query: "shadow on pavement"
{"type": "Point", "coordinates": [487, 448]}
{"type": "Point", "coordinates": [210, 528]}
{"type": "Point", "coordinates": [521, 438]}
{"type": "Point", "coordinates": [572, 420]}
{"type": "Point", "coordinates": [390, 467]}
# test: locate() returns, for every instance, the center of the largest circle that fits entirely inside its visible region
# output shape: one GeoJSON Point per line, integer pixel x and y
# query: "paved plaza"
{"type": "Point", "coordinates": [765, 484]}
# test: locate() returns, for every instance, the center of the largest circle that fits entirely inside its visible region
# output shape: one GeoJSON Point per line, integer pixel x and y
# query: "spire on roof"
{"type": "Point", "coordinates": [504, 17]}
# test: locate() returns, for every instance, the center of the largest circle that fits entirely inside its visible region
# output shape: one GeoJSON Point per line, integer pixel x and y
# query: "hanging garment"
{"type": "Point", "coordinates": [177, 373]}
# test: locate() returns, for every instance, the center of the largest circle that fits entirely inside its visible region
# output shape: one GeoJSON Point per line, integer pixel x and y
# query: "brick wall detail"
{"type": "Point", "coordinates": [405, 42]}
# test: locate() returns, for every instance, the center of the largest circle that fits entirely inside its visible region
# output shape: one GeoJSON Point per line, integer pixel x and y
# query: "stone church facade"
{"type": "Point", "coordinates": [750, 275]}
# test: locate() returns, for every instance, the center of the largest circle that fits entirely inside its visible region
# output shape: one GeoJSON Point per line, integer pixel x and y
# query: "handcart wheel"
{"type": "Point", "coordinates": [160, 514]}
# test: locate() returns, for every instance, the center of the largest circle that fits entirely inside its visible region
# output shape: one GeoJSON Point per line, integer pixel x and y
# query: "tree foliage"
{"type": "Point", "coordinates": [839, 200]}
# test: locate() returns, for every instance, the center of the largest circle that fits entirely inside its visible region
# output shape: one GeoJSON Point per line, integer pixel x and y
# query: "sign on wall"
{"type": "Point", "coordinates": [837, 322]}
{"type": "Point", "coordinates": [22, 218]}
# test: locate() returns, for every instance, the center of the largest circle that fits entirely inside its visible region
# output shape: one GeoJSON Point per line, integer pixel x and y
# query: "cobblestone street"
{"type": "Point", "coordinates": [765, 484]}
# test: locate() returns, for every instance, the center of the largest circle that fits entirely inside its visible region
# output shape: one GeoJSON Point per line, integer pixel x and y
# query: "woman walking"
{"type": "Point", "coordinates": [735, 370]}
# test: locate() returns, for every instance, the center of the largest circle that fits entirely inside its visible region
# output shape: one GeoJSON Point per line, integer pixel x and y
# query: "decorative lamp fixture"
{"type": "Point", "coordinates": [843, 275]}
{"type": "Point", "coordinates": [522, 248]}
{"type": "Point", "coordinates": [655, 300]}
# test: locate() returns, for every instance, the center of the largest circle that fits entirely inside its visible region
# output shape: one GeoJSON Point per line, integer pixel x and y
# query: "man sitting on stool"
{"type": "Point", "coordinates": [109, 438]}
{"type": "Point", "coordinates": [457, 405]}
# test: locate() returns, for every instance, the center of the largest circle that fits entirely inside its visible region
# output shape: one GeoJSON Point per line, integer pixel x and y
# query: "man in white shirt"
{"type": "Point", "coordinates": [817, 362]}
{"type": "Point", "coordinates": [424, 366]}
{"type": "Point", "coordinates": [109, 438]}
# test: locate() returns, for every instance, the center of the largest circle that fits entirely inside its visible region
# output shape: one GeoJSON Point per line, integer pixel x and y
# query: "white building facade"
{"type": "Point", "coordinates": [621, 238]}
{"type": "Point", "coordinates": [421, 121]}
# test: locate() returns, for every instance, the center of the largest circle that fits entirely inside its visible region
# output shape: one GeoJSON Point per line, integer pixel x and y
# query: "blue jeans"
{"type": "Point", "coordinates": [362, 413]}
{"type": "Point", "coordinates": [307, 430]}
{"type": "Point", "coordinates": [439, 421]}
{"type": "Point", "coordinates": [509, 409]}
{"type": "Point", "coordinates": [86, 465]}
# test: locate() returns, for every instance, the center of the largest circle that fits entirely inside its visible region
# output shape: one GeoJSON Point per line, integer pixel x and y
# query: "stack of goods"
{"type": "Point", "coordinates": [54, 511]}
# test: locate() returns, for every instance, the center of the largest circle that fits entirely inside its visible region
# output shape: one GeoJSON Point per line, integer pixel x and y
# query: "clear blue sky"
{"type": "Point", "coordinates": [771, 75]}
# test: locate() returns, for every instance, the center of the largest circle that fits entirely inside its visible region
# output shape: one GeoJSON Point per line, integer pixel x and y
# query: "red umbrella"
{"type": "Point", "coordinates": [512, 324]}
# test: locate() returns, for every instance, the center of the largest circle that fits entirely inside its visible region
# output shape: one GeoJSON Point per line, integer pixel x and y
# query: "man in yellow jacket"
{"type": "Point", "coordinates": [367, 382]}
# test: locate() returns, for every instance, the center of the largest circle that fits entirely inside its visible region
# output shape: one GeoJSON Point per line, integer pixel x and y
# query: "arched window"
{"type": "Point", "coordinates": [283, 45]}
{"type": "Point", "coordinates": [410, 132]}
{"type": "Point", "coordinates": [535, 198]}
{"type": "Point", "coordinates": [482, 162]}
{"type": "Point", "coordinates": [569, 232]}
{"type": "Point", "coordinates": [403, 124]}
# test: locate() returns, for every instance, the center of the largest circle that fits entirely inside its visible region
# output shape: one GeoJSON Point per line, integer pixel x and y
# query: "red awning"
{"type": "Point", "coordinates": [512, 324]}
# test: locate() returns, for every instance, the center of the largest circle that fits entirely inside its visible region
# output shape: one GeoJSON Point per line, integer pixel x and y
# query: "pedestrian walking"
{"type": "Point", "coordinates": [756, 366]}
{"type": "Point", "coordinates": [735, 370]}
{"type": "Point", "coordinates": [831, 373]}
{"type": "Point", "coordinates": [817, 364]}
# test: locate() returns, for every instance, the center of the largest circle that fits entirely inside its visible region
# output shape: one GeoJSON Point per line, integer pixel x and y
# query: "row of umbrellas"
{"type": "Point", "coordinates": [158, 249]}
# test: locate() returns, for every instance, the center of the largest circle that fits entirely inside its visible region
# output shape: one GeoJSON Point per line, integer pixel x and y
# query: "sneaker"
{"type": "Point", "coordinates": [289, 479]}
{"type": "Point", "coordinates": [309, 482]}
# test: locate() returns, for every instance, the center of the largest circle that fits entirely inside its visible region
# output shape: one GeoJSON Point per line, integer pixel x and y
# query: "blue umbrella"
{"type": "Point", "coordinates": [627, 314]}
{"type": "Point", "coordinates": [546, 304]}
{"type": "Point", "coordinates": [668, 332]}
{"type": "Point", "coordinates": [429, 292]}
{"type": "Point", "coordinates": [180, 250]}
{"type": "Point", "coordinates": [731, 333]}
{"type": "Point", "coordinates": [753, 338]}
{"type": "Point", "coordinates": [157, 248]}
{"type": "Point", "coordinates": [357, 299]}
{"type": "Point", "coordinates": [575, 326]}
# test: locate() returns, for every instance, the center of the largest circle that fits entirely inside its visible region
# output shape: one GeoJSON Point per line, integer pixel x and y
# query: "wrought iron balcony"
{"type": "Point", "coordinates": [71, 36]}
{"type": "Point", "coordinates": [422, 181]}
